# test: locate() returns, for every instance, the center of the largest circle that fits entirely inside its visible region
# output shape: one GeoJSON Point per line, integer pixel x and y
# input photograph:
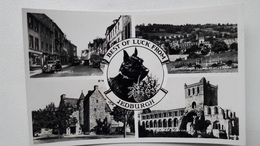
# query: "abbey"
{"type": "Point", "coordinates": [201, 114]}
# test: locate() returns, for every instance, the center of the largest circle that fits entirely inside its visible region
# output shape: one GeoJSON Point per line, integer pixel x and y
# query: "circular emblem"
{"type": "Point", "coordinates": [135, 74]}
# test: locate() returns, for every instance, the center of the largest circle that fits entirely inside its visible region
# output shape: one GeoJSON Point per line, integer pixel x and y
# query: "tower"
{"type": "Point", "coordinates": [199, 94]}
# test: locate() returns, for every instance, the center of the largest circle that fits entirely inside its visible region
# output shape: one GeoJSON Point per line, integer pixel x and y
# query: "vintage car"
{"type": "Point", "coordinates": [51, 66]}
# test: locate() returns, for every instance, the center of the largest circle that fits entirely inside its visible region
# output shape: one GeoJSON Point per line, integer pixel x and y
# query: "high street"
{"type": "Point", "coordinates": [78, 70]}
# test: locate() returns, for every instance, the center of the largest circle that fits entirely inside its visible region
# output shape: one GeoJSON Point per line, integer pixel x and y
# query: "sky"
{"type": "Point", "coordinates": [82, 27]}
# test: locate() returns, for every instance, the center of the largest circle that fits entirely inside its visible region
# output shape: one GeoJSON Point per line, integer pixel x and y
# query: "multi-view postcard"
{"type": "Point", "coordinates": [122, 77]}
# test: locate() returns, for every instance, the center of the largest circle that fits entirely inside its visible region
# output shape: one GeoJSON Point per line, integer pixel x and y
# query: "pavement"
{"type": "Point", "coordinates": [38, 70]}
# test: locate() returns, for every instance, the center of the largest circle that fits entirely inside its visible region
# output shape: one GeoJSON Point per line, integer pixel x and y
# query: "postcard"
{"type": "Point", "coordinates": [121, 77]}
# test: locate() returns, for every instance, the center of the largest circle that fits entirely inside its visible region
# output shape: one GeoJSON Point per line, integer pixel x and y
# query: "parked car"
{"type": "Point", "coordinates": [76, 62]}
{"type": "Point", "coordinates": [51, 66]}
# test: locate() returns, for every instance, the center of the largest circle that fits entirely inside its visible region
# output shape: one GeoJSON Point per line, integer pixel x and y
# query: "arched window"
{"type": "Point", "coordinates": [143, 124]}
{"type": "Point", "coordinates": [216, 125]}
{"type": "Point", "coordinates": [175, 122]}
{"type": "Point", "coordinates": [216, 110]}
{"type": "Point", "coordinates": [209, 110]}
{"type": "Point", "coordinates": [231, 115]}
{"type": "Point", "coordinates": [194, 105]}
{"type": "Point", "coordinates": [160, 123]}
{"type": "Point", "coordinates": [147, 124]}
{"type": "Point", "coordinates": [155, 124]}
{"type": "Point", "coordinates": [170, 123]}
{"type": "Point", "coordinates": [151, 124]}
{"type": "Point", "coordinates": [164, 123]}
{"type": "Point", "coordinates": [223, 113]}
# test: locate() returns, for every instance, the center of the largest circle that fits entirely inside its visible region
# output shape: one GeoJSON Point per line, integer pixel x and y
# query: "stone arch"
{"type": "Point", "coordinates": [151, 124]}
{"type": "Point", "coordinates": [216, 125]}
{"type": "Point", "coordinates": [143, 124]}
{"type": "Point", "coordinates": [155, 123]}
{"type": "Point", "coordinates": [147, 124]}
{"type": "Point", "coordinates": [169, 122]}
{"type": "Point", "coordinates": [160, 123]}
{"type": "Point", "coordinates": [164, 123]}
{"type": "Point", "coordinates": [175, 122]}
{"type": "Point", "coordinates": [193, 104]}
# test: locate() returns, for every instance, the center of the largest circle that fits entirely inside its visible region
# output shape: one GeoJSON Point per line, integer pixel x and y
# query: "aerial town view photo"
{"type": "Point", "coordinates": [204, 45]}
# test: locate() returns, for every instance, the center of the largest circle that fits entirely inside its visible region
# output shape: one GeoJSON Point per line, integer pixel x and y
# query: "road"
{"type": "Point", "coordinates": [78, 70]}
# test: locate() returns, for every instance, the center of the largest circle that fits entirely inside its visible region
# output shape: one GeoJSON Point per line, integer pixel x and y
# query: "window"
{"type": "Point", "coordinates": [30, 23]}
{"type": "Point", "coordinates": [175, 113]}
{"type": "Point", "coordinates": [96, 101]}
{"type": "Point", "coordinates": [36, 44]}
{"type": "Point", "coordinates": [198, 90]}
{"type": "Point", "coordinates": [216, 110]}
{"type": "Point", "coordinates": [30, 41]}
{"type": "Point", "coordinates": [194, 105]}
{"type": "Point", "coordinates": [42, 47]}
{"type": "Point", "coordinates": [209, 110]}
{"type": "Point", "coordinates": [36, 27]}
{"type": "Point", "coordinates": [164, 114]}
{"type": "Point", "coordinates": [95, 109]}
{"type": "Point", "coordinates": [189, 92]}
{"type": "Point", "coordinates": [193, 91]}
{"type": "Point", "coordinates": [170, 113]}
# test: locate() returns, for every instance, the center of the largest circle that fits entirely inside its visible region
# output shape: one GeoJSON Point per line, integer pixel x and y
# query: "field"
{"type": "Point", "coordinates": [205, 64]}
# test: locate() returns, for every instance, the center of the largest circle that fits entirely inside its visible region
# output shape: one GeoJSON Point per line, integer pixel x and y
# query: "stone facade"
{"type": "Point", "coordinates": [201, 113]}
{"type": "Point", "coordinates": [89, 108]}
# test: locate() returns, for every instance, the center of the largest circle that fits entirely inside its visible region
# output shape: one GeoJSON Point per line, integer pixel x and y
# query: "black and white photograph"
{"type": "Point", "coordinates": [199, 42]}
{"type": "Point", "coordinates": [61, 112]}
{"type": "Point", "coordinates": [62, 43]}
{"type": "Point", "coordinates": [197, 108]}
{"type": "Point", "coordinates": [99, 77]}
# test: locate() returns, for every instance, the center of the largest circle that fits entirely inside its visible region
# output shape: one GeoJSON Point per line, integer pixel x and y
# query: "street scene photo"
{"type": "Point", "coordinates": [64, 44]}
{"type": "Point", "coordinates": [80, 113]}
{"type": "Point", "coordinates": [204, 45]}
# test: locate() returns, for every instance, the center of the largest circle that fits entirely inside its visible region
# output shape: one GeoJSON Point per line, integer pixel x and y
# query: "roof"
{"type": "Point", "coordinates": [72, 101]}
{"type": "Point", "coordinates": [44, 19]}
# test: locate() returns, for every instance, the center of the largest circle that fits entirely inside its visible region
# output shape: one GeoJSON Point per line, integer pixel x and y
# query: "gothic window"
{"type": "Point", "coordinates": [151, 124]}
{"type": "Point", "coordinates": [164, 123]}
{"type": "Point", "coordinates": [175, 122]}
{"type": "Point", "coordinates": [143, 124]}
{"type": "Point", "coordinates": [147, 124]}
{"type": "Point", "coordinates": [216, 110]}
{"type": "Point", "coordinates": [160, 123]}
{"type": "Point", "coordinates": [209, 110]}
{"type": "Point", "coordinates": [155, 124]}
{"type": "Point", "coordinates": [170, 123]}
{"type": "Point", "coordinates": [194, 105]}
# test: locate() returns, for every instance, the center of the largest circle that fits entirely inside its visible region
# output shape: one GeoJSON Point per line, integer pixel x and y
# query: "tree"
{"type": "Point", "coordinates": [63, 117]}
{"type": "Point", "coordinates": [219, 46]}
{"type": "Point", "coordinates": [125, 116]}
{"type": "Point", "coordinates": [233, 47]}
{"type": "Point", "coordinates": [102, 127]}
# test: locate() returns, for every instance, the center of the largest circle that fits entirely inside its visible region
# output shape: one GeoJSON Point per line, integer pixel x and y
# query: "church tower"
{"type": "Point", "coordinates": [199, 94]}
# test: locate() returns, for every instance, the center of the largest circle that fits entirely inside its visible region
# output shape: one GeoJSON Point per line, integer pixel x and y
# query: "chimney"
{"type": "Point", "coordinates": [95, 87]}
{"type": "Point", "coordinates": [62, 96]}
